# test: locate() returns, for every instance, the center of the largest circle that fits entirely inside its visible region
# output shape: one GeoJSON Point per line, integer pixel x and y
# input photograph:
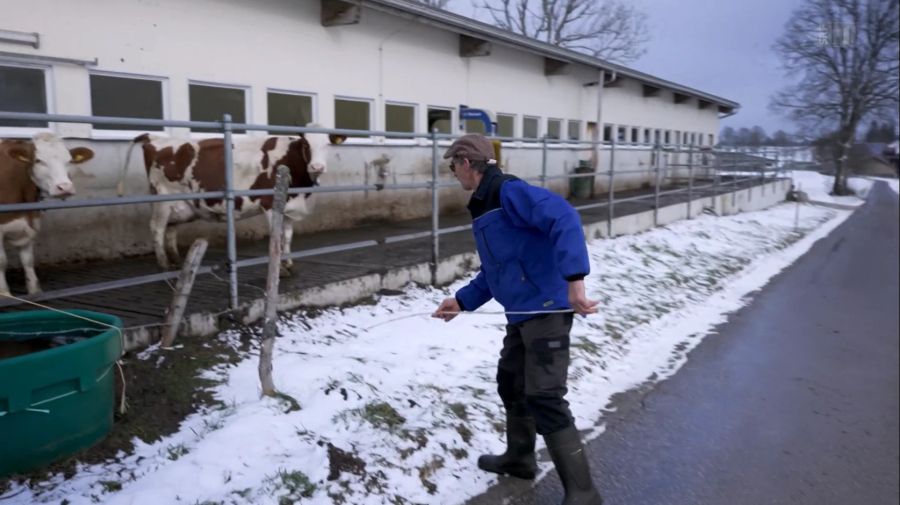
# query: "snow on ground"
{"type": "Point", "coordinates": [396, 406]}
{"type": "Point", "coordinates": [818, 187]}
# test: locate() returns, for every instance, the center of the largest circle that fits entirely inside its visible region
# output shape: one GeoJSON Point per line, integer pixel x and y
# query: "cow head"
{"type": "Point", "coordinates": [49, 160]}
{"type": "Point", "coordinates": [318, 150]}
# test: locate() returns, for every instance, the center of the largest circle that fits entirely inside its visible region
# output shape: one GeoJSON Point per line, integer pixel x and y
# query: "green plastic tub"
{"type": "Point", "coordinates": [56, 385]}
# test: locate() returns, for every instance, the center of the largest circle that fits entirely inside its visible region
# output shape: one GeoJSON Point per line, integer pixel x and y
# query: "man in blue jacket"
{"type": "Point", "coordinates": [533, 261]}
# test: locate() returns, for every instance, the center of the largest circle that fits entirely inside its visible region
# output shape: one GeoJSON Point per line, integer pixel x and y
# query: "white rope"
{"type": "Point", "coordinates": [55, 333]}
{"type": "Point", "coordinates": [480, 313]}
{"type": "Point", "coordinates": [122, 404]}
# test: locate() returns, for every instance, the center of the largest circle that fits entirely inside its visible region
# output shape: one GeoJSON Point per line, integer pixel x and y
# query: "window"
{"type": "Point", "coordinates": [635, 135]}
{"type": "Point", "coordinates": [114, 96]}
{"type": "Point", "coordinates": [712, 139]}
{"type": "Point", "coordinates": [621, 134]}
{"type": "Point", "coordinates": [668, 137]}
{"type": "Point", "coordinates": [554, 128]}
{"type": "Point", "coordinates": [657, 134]}
{"type": "Point", "coordinates": [351, 114]}
{"type": "Point", "coordinates": [399, 118]}
{"type": "Point", "coordinates": [23, 90]}
{"type": "Point", "coordinates": [699, 139]}
{"type": "Point", "coordinates": [647, 136]}
{"type": "Point", "coordinates": [475, 126]}
{"type": "Point", "coordinates": [677, 137]}
{"type": "Point", "coordinates": [209, 103]}
{"type": "Point", "coordinates": [289, 109]}
{"type": "Point", "coordinates": [574, 130]}
{"type": "Point", "coordinates": [530, 128]}
{"type": "Point", "coordinates": [440, 119]}
{"type": "Point", "coordinates": [506, 125]}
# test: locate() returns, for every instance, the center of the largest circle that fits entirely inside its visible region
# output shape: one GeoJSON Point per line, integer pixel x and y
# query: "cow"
{"type": "Point", "coordinates": [180, 166]}
{"type": "Point", "coordinates": [31, 170]}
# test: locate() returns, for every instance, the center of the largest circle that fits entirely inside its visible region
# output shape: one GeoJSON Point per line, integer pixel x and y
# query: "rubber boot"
{"type": "Point", "coordinates": [568, 455]}
{"type": "Point", "coordinates": [518, 460]}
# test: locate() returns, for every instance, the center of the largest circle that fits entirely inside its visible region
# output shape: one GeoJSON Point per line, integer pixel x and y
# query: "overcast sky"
{"type": "Point", "coordinates": [722, 47]}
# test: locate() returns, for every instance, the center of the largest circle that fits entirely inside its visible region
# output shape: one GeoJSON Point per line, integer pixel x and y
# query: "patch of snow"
{"type": "Point", "coordinates": [397, 405]}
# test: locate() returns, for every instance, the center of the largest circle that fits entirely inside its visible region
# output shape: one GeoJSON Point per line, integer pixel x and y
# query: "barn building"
{"type": "Point", "coordinates": [382, 65]}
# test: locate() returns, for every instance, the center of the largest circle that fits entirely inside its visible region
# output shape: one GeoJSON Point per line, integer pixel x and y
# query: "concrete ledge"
{"type": "Point", "coordinates": [451, 268]}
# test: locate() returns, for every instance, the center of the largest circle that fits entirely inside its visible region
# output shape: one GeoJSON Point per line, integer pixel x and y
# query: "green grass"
{"type": "Point", "coordinates": [382, 415]}
{"type": "Point", "coordinates": [295, 485]}
{"type": "Point", "coordinates": [176, 451]}
{"type": "Point", "coordinates": [111, 486]}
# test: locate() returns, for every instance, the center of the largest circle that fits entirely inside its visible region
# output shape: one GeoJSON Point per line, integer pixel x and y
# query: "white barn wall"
{"type": "Point", "coordinates": [280, 44]}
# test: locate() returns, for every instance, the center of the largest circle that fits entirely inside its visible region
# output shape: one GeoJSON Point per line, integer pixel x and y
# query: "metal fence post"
{"type": "Point", "coordinates": [690, 178]}
{"type": "Point", "coordinates": [612, 187]}
{"type": "Point", "coordinates": [435, 208]}
{"type": "Point", "coordinates": [658, 149]}
{"type": "Point", "coordinates": [544, 162]}
{"type": "Point", "coordinates": [229, 214]}
{"type": "Point", "coordinates": [734, 180]}
{"type": "Point", "coordinates": [715, 193]}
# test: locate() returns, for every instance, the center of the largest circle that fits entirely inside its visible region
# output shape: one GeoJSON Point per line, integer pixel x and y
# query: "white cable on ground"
{"type": "Point", "coordinates": [464, 313]}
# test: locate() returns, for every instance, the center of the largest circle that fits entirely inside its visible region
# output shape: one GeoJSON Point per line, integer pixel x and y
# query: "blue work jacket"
{"type": "Point", "coordinates": [530, 243]}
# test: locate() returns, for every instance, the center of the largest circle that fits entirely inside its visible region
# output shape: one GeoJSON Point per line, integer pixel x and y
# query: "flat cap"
{"type": "Point", "coordinates": [473, 147]}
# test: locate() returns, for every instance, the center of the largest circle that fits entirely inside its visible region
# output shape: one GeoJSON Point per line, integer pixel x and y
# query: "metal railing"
{"type": "Point", "coordinates": [744, 173]}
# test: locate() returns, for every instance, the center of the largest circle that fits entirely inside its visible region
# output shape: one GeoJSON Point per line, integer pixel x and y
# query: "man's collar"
{"type": "Point", "coordinates": [485, 184]}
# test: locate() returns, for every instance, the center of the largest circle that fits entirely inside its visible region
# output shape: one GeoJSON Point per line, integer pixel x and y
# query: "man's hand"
{"type": "Point", "coordinates": [448, 309]}
{"type": "Point", "coordinates": [579, 301]}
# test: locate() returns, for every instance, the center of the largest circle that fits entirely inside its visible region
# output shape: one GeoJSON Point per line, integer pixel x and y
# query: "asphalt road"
{"type": "Point", "coordinates": [793, 401]}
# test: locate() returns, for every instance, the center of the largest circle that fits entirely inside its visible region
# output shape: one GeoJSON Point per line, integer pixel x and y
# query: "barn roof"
{"type": "Point", "coordinates": [486, 32]}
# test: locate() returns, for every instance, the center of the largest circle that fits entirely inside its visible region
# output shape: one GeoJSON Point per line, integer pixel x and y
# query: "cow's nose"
{"type": "Point", "coordinates": [65, 189]}
{"type": "Point", "coordinates": [317, 167]}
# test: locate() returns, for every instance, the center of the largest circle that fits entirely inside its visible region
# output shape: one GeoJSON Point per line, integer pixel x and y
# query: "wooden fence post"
{"type": "Point", "coordinates": [276, 246]}
{"type": "Point", "coordinates": [183, 291]}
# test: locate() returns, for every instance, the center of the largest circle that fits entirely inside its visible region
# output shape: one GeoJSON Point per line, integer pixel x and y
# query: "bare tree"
{"type": "Point", "coordinates": [608, 29]}
{"type": "Point", "coordinates": [843, 55]}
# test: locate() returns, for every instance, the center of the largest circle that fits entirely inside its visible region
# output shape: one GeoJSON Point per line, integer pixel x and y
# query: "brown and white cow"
{"type": "Point", "coordinates": [30, 169]}
{"type": "Point", "coordinates": [186, 166]}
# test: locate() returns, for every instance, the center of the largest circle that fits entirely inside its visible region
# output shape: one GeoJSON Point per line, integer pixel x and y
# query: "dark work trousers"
{"type": "Point", "coordinates": [533, 369]}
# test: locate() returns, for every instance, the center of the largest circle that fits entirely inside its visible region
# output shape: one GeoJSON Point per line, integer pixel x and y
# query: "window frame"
{"type": "Point", "coordinates": [248, 102]}
{"type": "Point", "coordinates": [537, 124]}
{"type": "Point", "coordinates": [454, 121]}
{"type": "Point", "coordinates": [364, 139]}
{"type": "Point", "coordinates": [314, 99]}
{"type": "Point", "coordinates": [560, 139]}
{"type": "Point", "coordinates": [101, 134]}
{"type": "Point", "coordinates": [579, 133]}
{"type": "Point", "coordinates": [402, 140]}
{"type": "Point", "coordinates": [29, 131]}
{"type": "Point", "coordinates": [513, 117]}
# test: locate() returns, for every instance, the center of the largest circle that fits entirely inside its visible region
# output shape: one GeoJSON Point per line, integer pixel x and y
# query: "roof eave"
{"type": "Point", "coordinates": [474, 28]}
